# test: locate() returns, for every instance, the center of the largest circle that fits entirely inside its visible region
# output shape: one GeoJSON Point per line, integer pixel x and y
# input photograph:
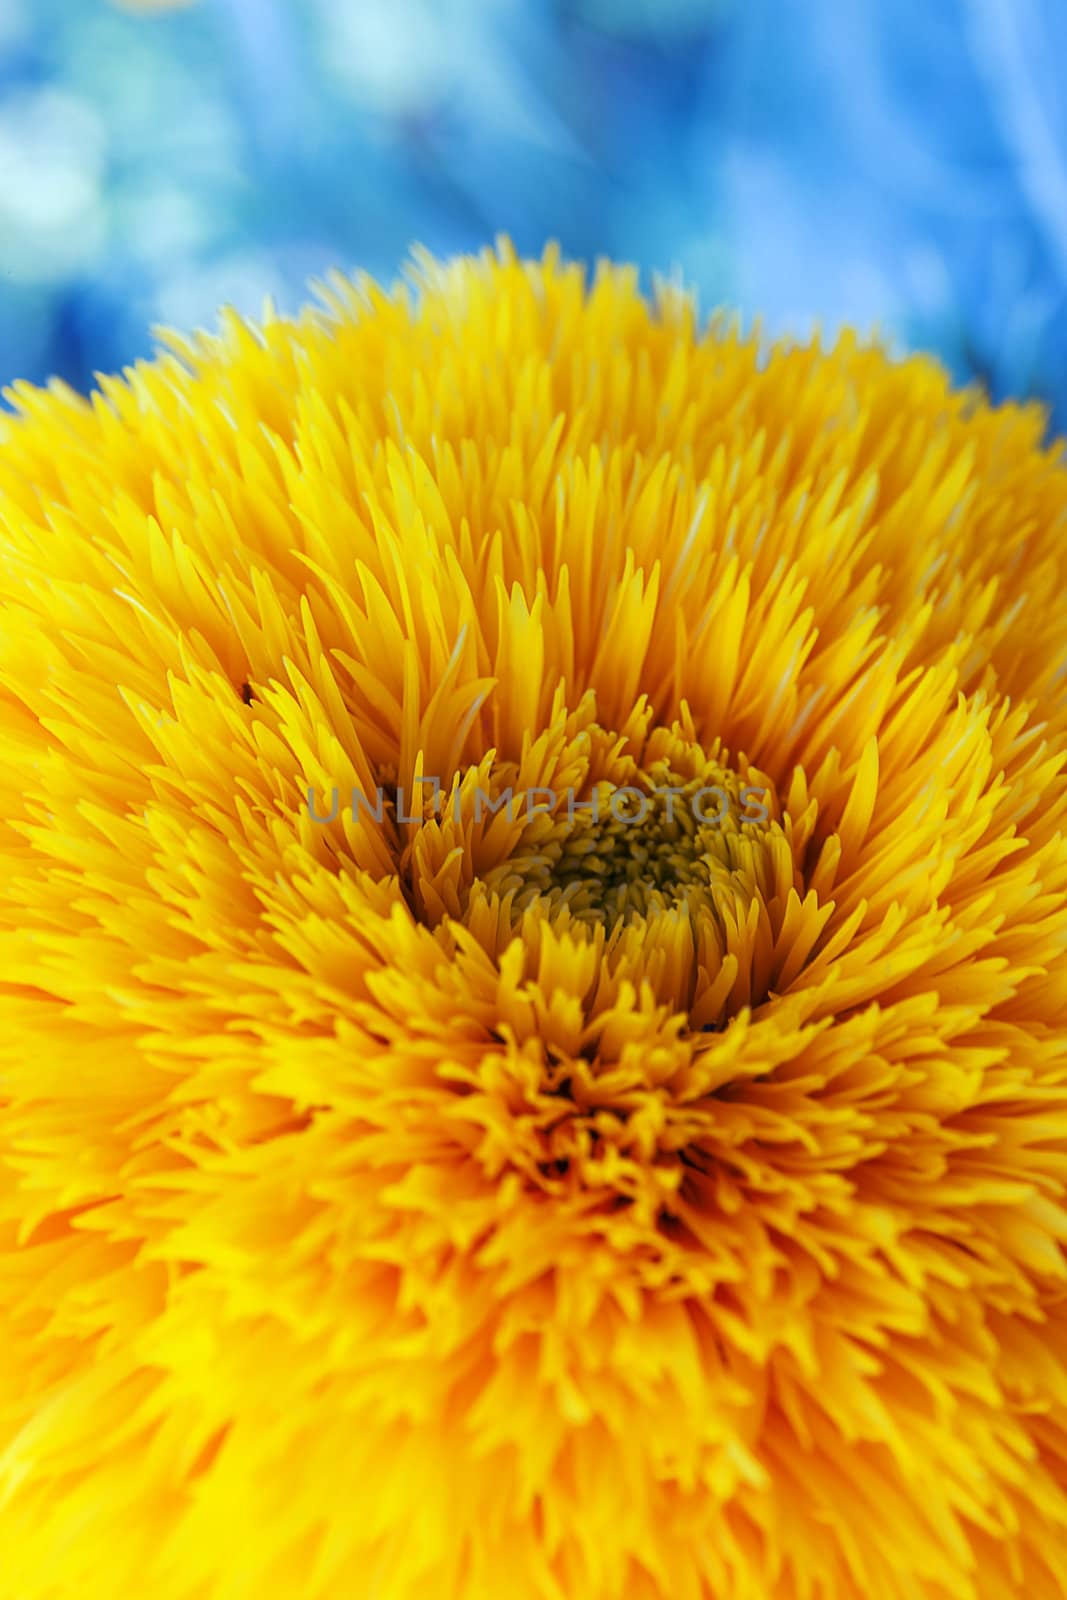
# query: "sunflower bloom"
{"type": "Point", "coordinates": [532, 984]}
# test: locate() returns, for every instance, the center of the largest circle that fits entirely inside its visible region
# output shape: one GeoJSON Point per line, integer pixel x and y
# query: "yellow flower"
{"type": "Point", "coordinates": [477, 1195]}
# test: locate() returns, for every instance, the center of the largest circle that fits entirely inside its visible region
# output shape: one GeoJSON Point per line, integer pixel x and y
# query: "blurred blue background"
{"type": "Point", "coordinates": [899, 163]}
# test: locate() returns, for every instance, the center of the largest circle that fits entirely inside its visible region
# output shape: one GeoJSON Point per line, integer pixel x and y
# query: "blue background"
{"type": "Point", "coordinates": [899, 163]}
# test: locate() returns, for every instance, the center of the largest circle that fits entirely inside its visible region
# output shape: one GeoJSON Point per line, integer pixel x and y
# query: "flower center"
{"type": "Point", "coordinates": [637, 860]}
{"type": "Point", "coordinates": [662, 840]}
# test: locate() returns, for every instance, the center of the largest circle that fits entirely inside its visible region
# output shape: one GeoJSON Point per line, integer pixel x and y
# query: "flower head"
{"type": "Point", "coordinates": [620, 1149]}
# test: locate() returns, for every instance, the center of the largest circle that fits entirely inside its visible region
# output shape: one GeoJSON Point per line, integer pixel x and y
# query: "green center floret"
{"type": "Point", "coordinates": [662, 842]}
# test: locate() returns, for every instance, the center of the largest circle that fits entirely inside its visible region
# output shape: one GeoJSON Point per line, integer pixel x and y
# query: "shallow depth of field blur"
{"type": "Point", "coordinates": [890, 163]}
